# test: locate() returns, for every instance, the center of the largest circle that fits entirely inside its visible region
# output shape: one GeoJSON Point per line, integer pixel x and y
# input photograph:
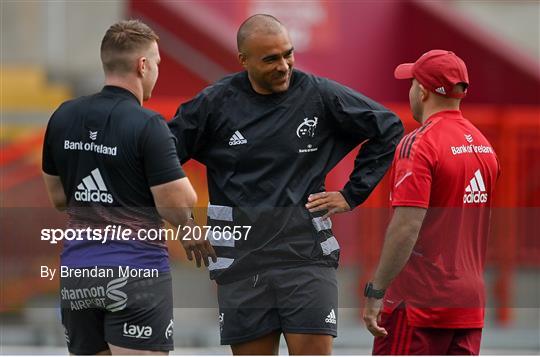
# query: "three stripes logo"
{"type": "Point", "coordinates": [93, 189]}
{"type": "Point", "coordinates": [441, 90]}
{"type": "Point", "coordinates": [119, 297]}
{"type": "Point", "coordinates": [475, 192]}
{"type": "Point", "coordinates": [237, 139]}
{"type": "Point", "coordinates": [331, 318]}
{"type": "Point", "coordinates": [408, 141]}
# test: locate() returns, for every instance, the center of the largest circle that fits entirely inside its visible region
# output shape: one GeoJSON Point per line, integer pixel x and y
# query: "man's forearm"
{"type": "Point", "coordinates": [174, 200]}
{"type": "Point", "coordinates": [371, 164]}
{"type": "Point", "coordinates": [395, 254]}
{"type": "Point", "coordinates": [400, 239]}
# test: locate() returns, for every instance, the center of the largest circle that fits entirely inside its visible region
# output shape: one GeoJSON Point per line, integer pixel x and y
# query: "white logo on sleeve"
{"type": "Point", "coordinates": [93, 189]}
{"type": "Point", "coordinates": [475, 192]}
{"type": "Point", "coordinates": [331, 318]}
{"type": "Point", "coordinates": [400, 181]}
{"type": "Point", "coordinates": [237, 139]}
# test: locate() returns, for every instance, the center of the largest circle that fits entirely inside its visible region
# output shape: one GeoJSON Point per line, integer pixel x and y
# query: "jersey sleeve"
{"type": "Point", "coordinates": [47, 163]}
{"type": "Point", "coordinates": [188, 126]}
{"type": "Point", "coordinates": [412, 173]}
{"type": "Point", "coordinates": [161, 163]}
{"type": "Point", "coordinates": [357, 116]}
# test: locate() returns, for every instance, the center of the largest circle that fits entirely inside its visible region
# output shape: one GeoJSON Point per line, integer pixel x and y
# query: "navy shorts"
{"type": "Point", "coordinates": [135, 313]}
{"type": "Point", "coordinates": [291, 300]}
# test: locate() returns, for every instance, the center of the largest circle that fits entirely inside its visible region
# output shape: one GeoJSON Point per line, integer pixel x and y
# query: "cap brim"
{"type": "Point", "coordinates": [404, 71]}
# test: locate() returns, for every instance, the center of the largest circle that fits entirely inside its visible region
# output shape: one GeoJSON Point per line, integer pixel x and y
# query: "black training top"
{"type": "Point", "coordinates": [266, 153]}
{"type": "Point", "coordinates": [108, 152]}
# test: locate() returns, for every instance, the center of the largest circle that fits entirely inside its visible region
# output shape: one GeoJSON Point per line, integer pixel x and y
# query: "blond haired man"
{"type": "Point", "coordinates": [111, 163]}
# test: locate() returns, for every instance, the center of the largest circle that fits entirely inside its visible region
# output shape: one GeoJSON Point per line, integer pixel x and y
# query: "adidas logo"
{"type": "Point", "coordinates": [331, 318]}
{"type": "Point", "coordinates": [93, 189]}
{"type": "Point", "coordinates": [475, 192]}
{"type": "Point", "coordinates": [92, 135]}
{"type": "Point", "coordinates": [237, 139]}
{"type": "Point", "coordinates": [441, 90]}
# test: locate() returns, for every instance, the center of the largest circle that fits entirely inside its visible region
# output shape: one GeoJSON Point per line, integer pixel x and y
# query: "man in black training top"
{"type": "Point", "coordinates": [112, 163]}
{"type": "Point", "coordinates": [268, 136]}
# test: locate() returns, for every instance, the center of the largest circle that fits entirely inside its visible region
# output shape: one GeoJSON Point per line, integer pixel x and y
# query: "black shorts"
{"type": "Point", "coordinates": [134, 312]}
{"type": "Point", "coordinates": [292, 300]}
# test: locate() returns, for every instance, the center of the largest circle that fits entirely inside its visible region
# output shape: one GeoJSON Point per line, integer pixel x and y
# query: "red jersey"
{"type": "Point", "coordinates": [448, 167]}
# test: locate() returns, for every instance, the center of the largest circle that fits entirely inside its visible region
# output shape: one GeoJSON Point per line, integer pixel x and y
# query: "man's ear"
{"type": "Point", "coordinates": [141, 66]}
{"type": "Point", "coordinates": [242, 59]}
{"type": "Point", "coordinates": [424, 93]}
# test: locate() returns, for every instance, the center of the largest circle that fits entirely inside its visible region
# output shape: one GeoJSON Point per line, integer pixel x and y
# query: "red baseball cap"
{"type": "Point", "coordinates": [438, 71]}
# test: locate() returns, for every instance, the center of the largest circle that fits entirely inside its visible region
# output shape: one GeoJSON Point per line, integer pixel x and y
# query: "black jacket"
{"type": "Point", "coordinates": [266, 153]}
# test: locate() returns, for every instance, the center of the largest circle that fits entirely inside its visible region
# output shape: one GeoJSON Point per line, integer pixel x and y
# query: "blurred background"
{"type": "Point", "coordinates": [50, 53]}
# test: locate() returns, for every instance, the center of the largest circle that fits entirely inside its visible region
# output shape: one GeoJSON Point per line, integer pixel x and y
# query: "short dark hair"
{"type": "Point", "coordinates": [121, 41]}
{"type": "Point", "coordinates": [265, 22]}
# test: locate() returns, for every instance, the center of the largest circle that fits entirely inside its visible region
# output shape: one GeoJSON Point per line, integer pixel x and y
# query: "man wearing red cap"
{"type": "Point", "coordinates": [427, 295]}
